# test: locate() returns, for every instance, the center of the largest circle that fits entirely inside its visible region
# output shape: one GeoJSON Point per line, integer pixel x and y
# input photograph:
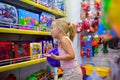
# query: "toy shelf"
{"type": "Point", "coordinates": [44, 8]}
{"type": "Point", "coordinates": [21, 64]}
{"type": "Point", "coordinates": [19, 31]}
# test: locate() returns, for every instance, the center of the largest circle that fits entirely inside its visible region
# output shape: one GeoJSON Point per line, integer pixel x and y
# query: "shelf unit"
{"type": "Point", "coordinates": [21, 64]}
{"type": "Point", "coordinates": [12, 34]}
{"type": "Point", "coordinates": [34, 7]}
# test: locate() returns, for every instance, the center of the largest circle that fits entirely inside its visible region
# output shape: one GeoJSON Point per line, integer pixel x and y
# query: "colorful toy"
{"type": "Point", "coordinates": [60, 5]}
{"type": "Point", "coordinates": [85, 6]}
{"type": "Point", "coordinates": [22, 51]}
{"type": "Point", "coordinates": [47, 45]}
{"type": "Point", "coordinates": [6, 53]}
{"type": "Point", "coordinates": [79, 27]}
{"type": "Point", "coordinates": [86, 46]}
{"type": "Point", "coordinates": [46, 21]}
{"type": "Point", "coordinates": [97, 4]}
{"type": "Point", "coordinates": [36, 50]}
{"type": "Point", "coordinates": [40, 75]}
{"type": "Point", "coordinates": [8, 15]}
{"type": "Point", "coordinates": [28, 20]}
{"type": "Point", "coordinates": [95, 42]}
{"type": "Point", "coordinates": [105, 47]}
{"type": "Point", "coordinates": [6, 50]}
{"type": "Point", "coordinates": [51, 61]}
{"type": "Point", "coordinates": [101, 29]}
{"type": "Point", "coordinates": [88, 26]}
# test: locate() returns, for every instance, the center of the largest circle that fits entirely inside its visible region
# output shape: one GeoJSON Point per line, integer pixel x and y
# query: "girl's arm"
{"type": "Point", "coordinates": [66, 45]}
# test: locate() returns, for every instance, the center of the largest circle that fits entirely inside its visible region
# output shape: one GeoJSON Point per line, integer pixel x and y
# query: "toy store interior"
{"type": "Point", "coordinates": [25, 37]}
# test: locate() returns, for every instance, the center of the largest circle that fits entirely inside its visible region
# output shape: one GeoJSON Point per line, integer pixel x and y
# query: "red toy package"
{"type": "Point", "coordinates": [22, 51]}
{"type": "Point", "coordinates": [6, 53]}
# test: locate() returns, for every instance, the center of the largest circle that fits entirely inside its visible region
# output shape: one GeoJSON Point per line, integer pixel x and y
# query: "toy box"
{"type": "Point", "coordinates": [46, 20]}
{"type": "Point", "coordinates": [22, 51]}
{"type": "Point", "coordinates": [46, 46]}
{"type": "Point", "coordinates": [28, 20]}
{"type": "Point", "coordinates": [36, 50]}
{"type": "Point", "coordinates": [60, 6]}
{"type": "Point", "coordinates": [8, 15]}
{"type": "Point", "coordinates": [86, 46]}
{"type": "Point", "coordinates": [6, 53]}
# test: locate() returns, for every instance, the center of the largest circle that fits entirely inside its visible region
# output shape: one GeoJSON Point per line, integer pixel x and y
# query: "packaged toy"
{"type": "Point", "coordinates": [46, 20]}
{"type": "Point", "coordinates": [8, 15]}
{"type": "Point", "coordinates": [28, 20]}
{"type": "Point", "coordinates": [6, 53]}
{"type": "Point", "coordinates": [47, 45]}
{"type": "Point", "coordinates": [22, 51]}
{"type": "Point", "coordinates": [86, 46]}
{"type": "Point", "coordinates": [36, 50]}
{"type": "Point", "coordinates": [60, 6]}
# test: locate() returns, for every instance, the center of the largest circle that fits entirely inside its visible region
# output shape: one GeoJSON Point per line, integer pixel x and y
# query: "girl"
{"type": "Point", "coordinates": [71, 69]}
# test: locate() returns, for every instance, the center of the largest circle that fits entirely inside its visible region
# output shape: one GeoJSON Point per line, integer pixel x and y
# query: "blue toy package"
{"type": "Point", "coordinates": [87, 46]}
{"type": "Point", "coordinates": [28, 19]}
{"type": "Point", "coordinates": [46, 20]}
{"type": "Point", "coordinates": [8, 15]}
{"type": "Point", "coordinates": [60, 5]}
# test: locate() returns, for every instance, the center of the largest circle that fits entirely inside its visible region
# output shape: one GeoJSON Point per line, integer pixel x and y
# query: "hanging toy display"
{"type": "Point", "coordinates": [85, 6]}
{"type": "Point", "coordinates": [97, 4]}
{"type": "Point", "coordinates": [79, 27]}
{"type": "Point", "coordinates": [51, 61]}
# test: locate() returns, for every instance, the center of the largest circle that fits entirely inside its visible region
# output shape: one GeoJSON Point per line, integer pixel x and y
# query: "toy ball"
{"type": "Point", "coordinates": [51, 61]}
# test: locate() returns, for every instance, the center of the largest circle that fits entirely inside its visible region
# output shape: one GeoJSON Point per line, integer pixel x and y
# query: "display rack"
{"type": "Point", "coordinates": [15, 34]}
{"type": "Point", "coordinates": [21, 64]}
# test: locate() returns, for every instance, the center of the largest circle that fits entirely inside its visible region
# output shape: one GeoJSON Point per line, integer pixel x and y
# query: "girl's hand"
{"type": "Point", "coordinates": [51, 56]}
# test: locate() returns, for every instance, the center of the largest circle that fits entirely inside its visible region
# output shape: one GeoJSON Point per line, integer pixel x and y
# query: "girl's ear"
{"type": "Point", "coordinates": [59, 29]}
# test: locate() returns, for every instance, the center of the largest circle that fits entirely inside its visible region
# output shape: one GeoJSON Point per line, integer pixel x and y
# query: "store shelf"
{"type": "Point", "coordinates": [44, 8]}
{"type": "Point", "coordinates": [18, 31]}
{"type": "Point", "coordinates": [32, 6]}
{"type": "Point", "coordinates": [21, 64]}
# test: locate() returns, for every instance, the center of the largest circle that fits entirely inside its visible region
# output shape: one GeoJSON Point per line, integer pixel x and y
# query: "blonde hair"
{"type": "Point", "coordinates": [67, 29]}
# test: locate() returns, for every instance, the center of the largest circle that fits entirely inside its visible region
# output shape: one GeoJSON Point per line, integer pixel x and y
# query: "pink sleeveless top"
{"type": "Point", "coordinates": [65, 64]}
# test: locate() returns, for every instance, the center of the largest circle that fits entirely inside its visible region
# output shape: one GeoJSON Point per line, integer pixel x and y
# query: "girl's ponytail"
{"type": "Point", "coordinates": [72, 31]}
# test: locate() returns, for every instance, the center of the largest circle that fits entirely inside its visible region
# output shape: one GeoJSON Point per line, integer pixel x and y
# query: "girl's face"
{"type": "Point", "coordinates": [54, 31]}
